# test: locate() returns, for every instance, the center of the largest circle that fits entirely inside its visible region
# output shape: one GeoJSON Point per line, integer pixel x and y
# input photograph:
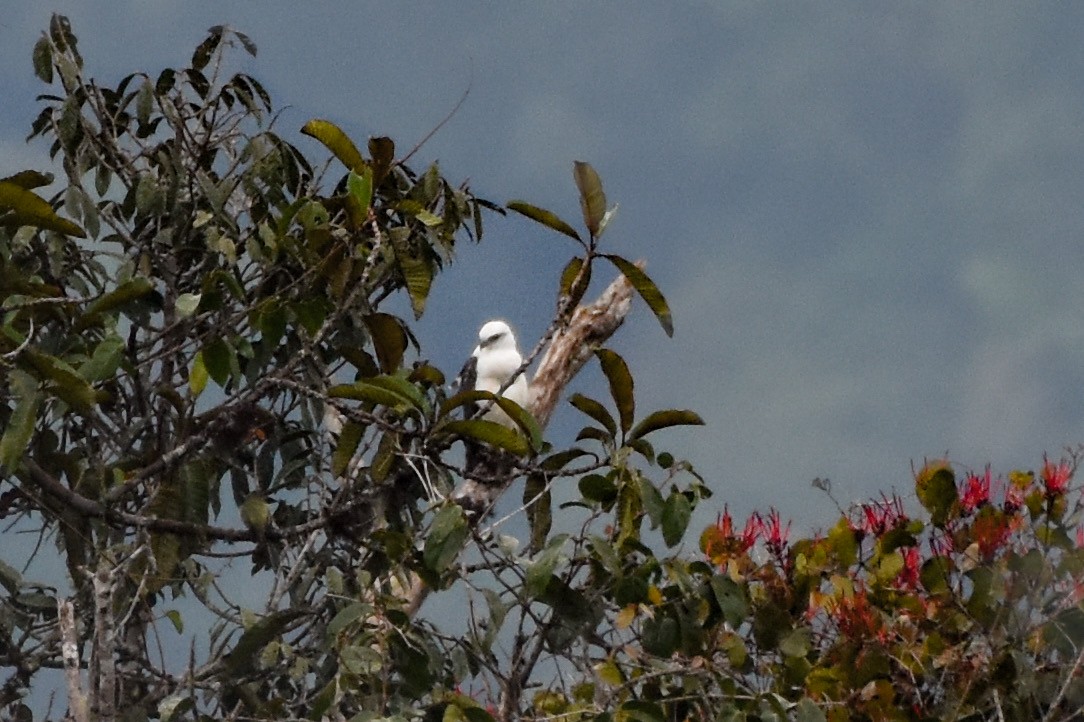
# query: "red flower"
{"type": "Point", "coordinates": [975, 492]}
{"type": "Point", "coordinates": [990, 531]}
{"type": "Point", "coordinates": [753, 527]}
{"type": "Point", "coordinates": [1080, 536]}
{"type": "Point", "coordinates": [881, 516]}
{"type": "Point", "coordinates": [1056, 477]}
{"type": "Point", "coordinates": [857, 619]}
{"type": "Point", "coordinates": [912, 565]}
{"type": "Point", "coordinates": [720, 542]}
{"type": "Point", "coordinates": [1014, 498]}
{"type": "Point", "coordinates": [775, 534]}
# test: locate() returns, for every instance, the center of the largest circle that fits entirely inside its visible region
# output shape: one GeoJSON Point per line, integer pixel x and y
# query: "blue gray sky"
{"type": "Point", "coordinates": [867, 216]}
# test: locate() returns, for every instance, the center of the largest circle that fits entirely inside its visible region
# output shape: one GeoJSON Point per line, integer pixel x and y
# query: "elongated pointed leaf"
{"type": "Point", "coordinates": [384, 390]}
{"type": "Point", "coordinates": [663, 419]}
{"type": "Point", "coordinates": [20, 426]}
{"type": "Point", "coordinates": [43, 60]}
{"type": "Point", "coordinates": [198, 376]}
{"type": "Point", "coordinates": [28, 209]}
{"type": "Point", "coordinates": [592, 198]}
{"type": "Point", "coordinates": [541, 568]}
{"type": "Point", "coordinates": [621, 385]}
{"type": "Point", "coordinates": [647, 289]}
{"type": "Point", "coordinates": [522, 418]}
{"type": "Point", "coordinates": [596, 411]}
{"type": "Point", "coordinates": [489, 432]}
{"type": "Point", "coordinates": [359, 197]}
{"type": "Point", "coordinates": [574, 280]}
{"type": "Point", "coordinates": [126, 292]}
{"type": "Point", "coordinates": [349, 438]}
{"type": "Point", "coordinates": [389, 340]}
{"type": "Point", "coordinates": [382, 150]}
{"type": "Point", "coordinates": [537, 498]}
{"type": "Point", "coordinates": [415, 267]}
{"type": "Point", "coordinates": [63, 381]}
{"type": "Point", "coordinates": [29, 179]}
{"type": "Point", "coordinates": [558, 460]}
{"type": "Point", "coordinates": [446, 538]}
{"type": "Point", "coordinates": [335, 140]}
{"type": "Point", "coordinates": [105, 360]}
{"type": "Point", "coordinates": [242, 658]}
{"type": "Point", "coordinates": [675, 518]}
{"type": "Point", "coordinates": [546, 218]}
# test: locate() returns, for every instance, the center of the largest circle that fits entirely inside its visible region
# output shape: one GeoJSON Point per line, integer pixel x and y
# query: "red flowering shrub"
{"type": "Point", "coordinates": [969, 610]}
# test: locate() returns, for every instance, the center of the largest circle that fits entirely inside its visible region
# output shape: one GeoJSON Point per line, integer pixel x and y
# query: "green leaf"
{"type": "Point", "coordinates": [592, 198]}
{"type": "Point", "coordinates": [216, 357]}
{"type": "Point", "coordinates": [346, 617]}
{"type": "Point", "coordinates": [240, 660]}
{"type": "Point", "coordinates": [647, 290]}
{"type": "Point", "coordinates": [935, 575]}
{"type": "Point", "coordinates": [416, 269]}
{"type": "Point", "coordinates": [104, 361]}
{"type": "Point", "coordinates": [643, 711]}
{"type": "Point", "coordinates": [935, 486]}
{"type": "Point", "coordinates": [446, 538]}
{"type": "Point", "coordinates": [389, 340]}
{"type": "Point", "coordinates": [28, 209]}
{"type": "Point", "coordinates": [731, 598]}
{"type": "Point", "coordinates": [522, 418]}
{"type": "Point", "coordinates": [126, 292]}
{"type": "Point", "coordinates": [382, 150]}
{"type": "Point", "coordinates": [489, 432]}
{"type": "Point", "coordinates": [807, 711]}
{"type": "Point", "coordinates": [540, 569]}
{"type": "Point", "coordinates": [575, 278]}
{"type": "Point", "coordinates": [417, 210]}
{"type": "Point", "coordinates": [10, 578]}
{"type": "Point", "coordinates": [335, 140]}
{"type": "Point", "coordinates": [198, 376]}
{"type": "Point", "coordinates": [349, 438]}
{"type": "Point", "coordinates": [20, 426]}
{"type": "Point", "coordinates": [546, 218]}
{"type": "Point", "coordinates": [621, 385]}
{"type": "Point", "coordinates": [392, 391]}
{"type": "Point", "coordinates": [43, 60]}
{"type": "Point", "coordinates": [202, 54]}
{"type": "Point", "coordinates": [652, 501]}
{"type": "Point", "coordinates": [539, 503]}
{"type": "Point", "coordinates": [176, 620]}
{"type": "Point", "coordinates": [795, 643]}
{"type": "Point", "coordinates": [605, 552]}
{"type": "Point", "coordinates": [256, 512]}
{"type": "Point", "coordinates": [598, 488]}
{"type": "Point", "coordinates": [187, 303]}
{"type": "Point", "coordinates": [359, 187]}
{"type": "Point", "coordinates": [661, 637]}
{"type": "Point", "coordinates": [675, 518]}
{"type": "Point", "coordinates": [63, 380]}
{"type": "Point", "coordinates": [596, 411]}
{"type": "Point", "coordinates": [664, 419]}
{"type": "Point", "coordinates": [29, 179]}
{"type": "Point", "coordinates": [558, 460]}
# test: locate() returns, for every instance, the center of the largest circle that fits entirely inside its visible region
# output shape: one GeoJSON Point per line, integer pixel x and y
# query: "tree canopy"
{"type": "Point", "coordinates": [247, 465]}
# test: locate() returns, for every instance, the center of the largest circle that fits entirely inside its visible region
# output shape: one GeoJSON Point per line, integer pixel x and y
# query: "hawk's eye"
{"type": "Point", "coordinates": [492, 338]}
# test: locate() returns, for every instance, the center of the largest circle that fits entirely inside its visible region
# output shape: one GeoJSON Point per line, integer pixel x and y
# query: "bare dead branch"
{"type": "Point", "coordinates": [69, 650]}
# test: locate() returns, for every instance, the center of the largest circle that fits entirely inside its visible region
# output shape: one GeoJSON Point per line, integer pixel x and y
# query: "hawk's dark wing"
{"type": "Point", "coordinates": [465, 381]}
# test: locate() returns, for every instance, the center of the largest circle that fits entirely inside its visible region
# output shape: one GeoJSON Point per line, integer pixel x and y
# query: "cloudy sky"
{"type": "Point", "coordinates": [868, 217]}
